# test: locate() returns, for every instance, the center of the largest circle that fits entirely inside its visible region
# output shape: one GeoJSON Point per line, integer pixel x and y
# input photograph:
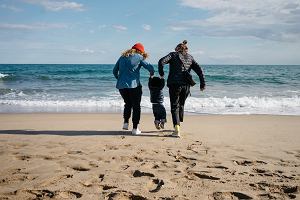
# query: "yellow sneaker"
{"type": "Point", "coordinates": [176, 132]}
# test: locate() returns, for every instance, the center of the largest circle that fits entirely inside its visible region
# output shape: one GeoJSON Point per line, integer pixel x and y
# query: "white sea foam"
{"type": "Point", "coordinates": [3, 75]}
{"type": "Point", "coordinates": [212, 105]}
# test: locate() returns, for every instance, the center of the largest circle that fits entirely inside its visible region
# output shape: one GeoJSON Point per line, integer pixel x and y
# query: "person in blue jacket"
{"type": "Point", "coordinates": [127, 73]}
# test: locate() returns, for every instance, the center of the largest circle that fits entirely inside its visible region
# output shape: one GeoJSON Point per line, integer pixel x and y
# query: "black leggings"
{"type": "Point", "coordinates": [178, 94]}
{"type": "Point", "coordinates": [132, 99]}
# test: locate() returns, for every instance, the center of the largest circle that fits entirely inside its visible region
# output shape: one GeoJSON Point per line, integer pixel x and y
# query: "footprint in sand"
{"type": "Point", "coordinates": [194, 147]}
{"type": "Point", "coordinates": [19, 171]}
{"type": "Point", "coordinates": [138, 159]}
{"type": "Point", "coordinates": [101, 177]}
{"type": "Point", "coordinates": [23, 157]}
{"type": "Point", "coordinates": [108, 187]}
{"type": "Point", "coordinates": [95, 182]}
{"type": "Point", "coordinates": [155, 185]}
{"type": "Point", "coordinates": [263, 172]}
{"type": "Point", "coordinates": [218, 167]}
{"type": "Point", "coordinates": [80, 168]}
{"type": "Point", "coordinates": [180, 158]}
{"type": "Point", "coordinates": [46, 157]}
{"type": "Point", "coordinates": [248, 162]}
{"type": "Point", "coordinates": [138, 173]}
{"type": "Point", "coordinates": [294, 153]}
{"type": "Point", "coordinates": [111, 147]}
{"type": "Point", "coordinates": [204, 176]}
{"type": "Point", "coordinates": [75, 152]}
{"type": "Point", "coordinates": [93, 164]}
{"type": "Point", "coordinates": [45, 194]}
{"type": "Point", "coordinates": [274, 188]}
{"type": "Point", "coordinates": [124, 195]}
{"type": "Point", "coordinates": [287, 163]}
{"type": "Point", "coordinates": [229, 195]}
{"type": "Point", "coordinates": [54, 180]}
{"type": "Point", "coordinates": [16, 179]}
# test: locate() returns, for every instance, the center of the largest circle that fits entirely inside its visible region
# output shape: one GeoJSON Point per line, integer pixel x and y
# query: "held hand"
{"type": "Point", "coordinates": [161, 77]}
{"type": "Point", "coordinates": [151, 74]}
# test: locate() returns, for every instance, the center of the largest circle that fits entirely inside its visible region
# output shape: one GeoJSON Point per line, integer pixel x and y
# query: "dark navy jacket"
{"type": "Point", "coordinates": [156, 86]}
{"type": "Point", "coordinates": [179, 63]}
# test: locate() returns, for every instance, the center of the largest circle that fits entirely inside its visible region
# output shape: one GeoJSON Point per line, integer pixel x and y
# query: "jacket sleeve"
{"type": "Point", "coordinates": [147, 66]}
{"type": "Point", "coordinates": [116, 69]}
{"type": "Point", "coordinates": [162, 62]}
{"type": "Point", "coordinates": [196, 67]}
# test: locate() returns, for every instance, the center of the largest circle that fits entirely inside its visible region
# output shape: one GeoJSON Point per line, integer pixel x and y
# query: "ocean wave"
{"type": "Point", "coordinates": [211, 105]}
{"type": "Point", "coordinates": [244, 79]}
{"type": "Point", "coordinates": [3, 75]}
{"type": "Point", "coordinates": [8, 77]}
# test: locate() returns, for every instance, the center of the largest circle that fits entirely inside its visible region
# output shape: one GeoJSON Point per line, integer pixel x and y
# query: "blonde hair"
{"type": "Point", "coordinates": [130, 52]}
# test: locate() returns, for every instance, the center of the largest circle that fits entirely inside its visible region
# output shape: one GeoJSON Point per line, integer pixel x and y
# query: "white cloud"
{"type": "Point", "coordinates": [177, 27]}
{"type": "Point", "coordinates": [87, 51]}
{"type": "Point", "coordinates": [197, 53]}
{"type": "Point", "coordinates": [37, 26]}
{"type": "Point", "coordinates": [273, 20]}
{"type": "Point", "coordinates": [119, 27]}
{"type": "Point", "coordinates": [10, 7]}
{"type": "Point", "coordinates": [146, 27]}
{"type": "Point", "coordinates": [54, 5]}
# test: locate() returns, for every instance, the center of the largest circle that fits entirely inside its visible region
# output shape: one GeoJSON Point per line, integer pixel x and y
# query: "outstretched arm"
{"type": "Point", "coordinates": [196, 67]}
{"type": "Point", "coordinates": [116, 69]}
{"type": "Point", "coordinates": [147, 66]}
{"type": "Point", "coordinates": [162, 62]}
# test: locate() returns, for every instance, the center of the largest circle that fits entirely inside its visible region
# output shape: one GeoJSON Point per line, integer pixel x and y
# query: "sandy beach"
{"type": "Point", "coordinates": [87, 156]}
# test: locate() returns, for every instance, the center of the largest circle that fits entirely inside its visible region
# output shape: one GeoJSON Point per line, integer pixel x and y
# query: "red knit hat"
{"type": "Point", "coordinates": [139, 46]}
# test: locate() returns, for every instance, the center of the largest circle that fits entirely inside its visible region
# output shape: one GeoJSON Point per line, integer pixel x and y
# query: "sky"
{"type": "Point", "coordinates": [97, 31]}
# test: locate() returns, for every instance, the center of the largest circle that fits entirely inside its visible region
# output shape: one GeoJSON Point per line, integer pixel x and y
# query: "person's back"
{"type": "Point", "coordinates": [129, 71]}
{"type": "Point", "coordinates": [180, 80]}
{"type": "Point", "coordinates": [178, 64]}
{"type": "Point", "coordinates": [156, 86]}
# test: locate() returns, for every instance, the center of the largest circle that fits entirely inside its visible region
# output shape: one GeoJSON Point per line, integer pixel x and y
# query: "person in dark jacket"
{"type": "Point", "coordinates": [179, 89]}
{"type": "Point", "coordinates": [156, 86]}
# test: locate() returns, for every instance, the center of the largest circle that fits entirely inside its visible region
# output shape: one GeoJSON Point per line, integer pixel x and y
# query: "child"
{"type": "Point", "coordinates": [156, 86]}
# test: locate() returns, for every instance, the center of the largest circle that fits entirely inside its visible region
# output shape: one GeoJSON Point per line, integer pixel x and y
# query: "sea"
{"type": "Point", "coordinates": [90, 88]}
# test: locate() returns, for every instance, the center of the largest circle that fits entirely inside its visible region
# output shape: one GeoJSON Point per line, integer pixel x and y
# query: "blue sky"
{"type": "Point", "coordinates": [97, 31]}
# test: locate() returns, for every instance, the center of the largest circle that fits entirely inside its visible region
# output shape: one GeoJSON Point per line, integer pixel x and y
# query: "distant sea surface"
{"type": "Point", "coordinates": [231, 89]}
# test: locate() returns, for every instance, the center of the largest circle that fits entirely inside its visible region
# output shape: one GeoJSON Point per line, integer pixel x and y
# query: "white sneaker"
{"type": "Point", "coordinates": [136, 131]}
{"type": "Point", "coordinates": [125, 126]}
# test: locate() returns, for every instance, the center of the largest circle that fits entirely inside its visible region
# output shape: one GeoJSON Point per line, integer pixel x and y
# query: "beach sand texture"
{"type": "Point", "coordinates": [87, 156]}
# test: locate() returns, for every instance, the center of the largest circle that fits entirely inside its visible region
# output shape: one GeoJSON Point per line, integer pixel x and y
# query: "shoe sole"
{"type": "Point", "coordinates": [176, 136]}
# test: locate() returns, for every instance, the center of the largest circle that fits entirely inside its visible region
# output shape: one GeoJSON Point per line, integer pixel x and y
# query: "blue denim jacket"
{"type": "Point", "coordinates": [127, 71]}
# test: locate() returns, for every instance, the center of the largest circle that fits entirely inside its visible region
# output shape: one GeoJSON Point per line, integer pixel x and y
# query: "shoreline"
{"type": "Point", "coordinates": [88, 156]}
{"type": "Point", "coordinates": [187, 113]}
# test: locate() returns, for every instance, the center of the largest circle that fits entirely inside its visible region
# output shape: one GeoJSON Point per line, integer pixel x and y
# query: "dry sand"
{"type": "Point", "coordinates": [87, 156]}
